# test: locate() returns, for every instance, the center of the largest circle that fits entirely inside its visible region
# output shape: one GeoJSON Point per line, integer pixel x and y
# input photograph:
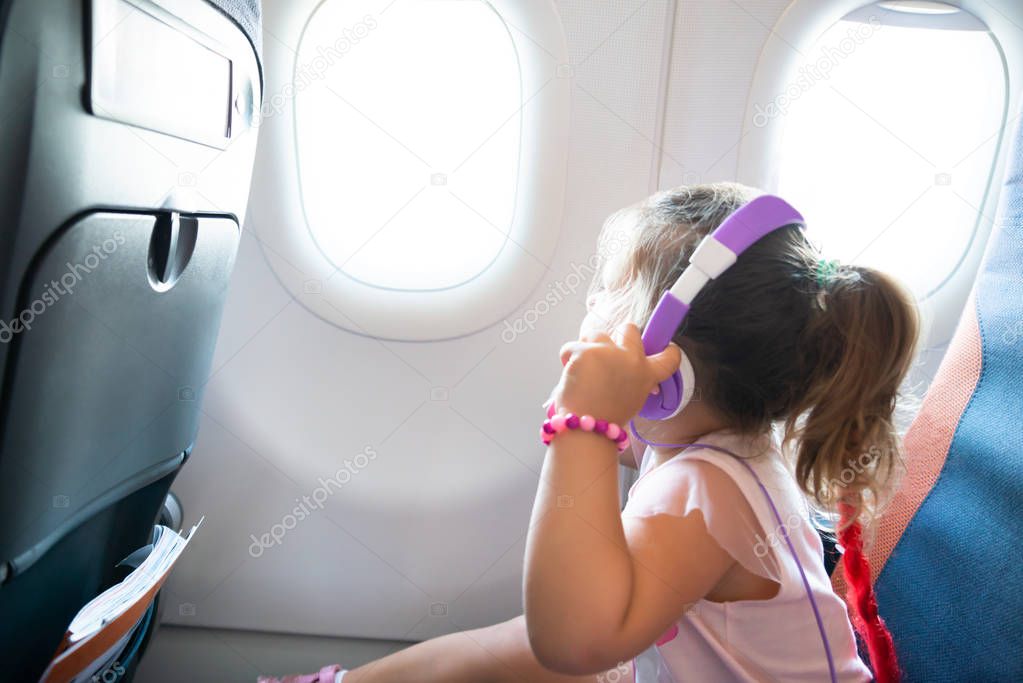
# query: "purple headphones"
{"type": "Point", "coordinates": [715, 253]}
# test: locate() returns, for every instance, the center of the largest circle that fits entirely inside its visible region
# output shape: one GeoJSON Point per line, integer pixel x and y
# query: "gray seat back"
{"type": "Point", "coordinates": [128, 136]}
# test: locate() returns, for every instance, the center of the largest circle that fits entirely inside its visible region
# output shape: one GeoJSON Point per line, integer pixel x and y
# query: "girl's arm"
{"type": "Point", "coordinates": [598, 592]}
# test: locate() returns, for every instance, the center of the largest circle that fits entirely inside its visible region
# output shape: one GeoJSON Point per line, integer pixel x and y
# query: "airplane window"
{"type": "Point", "coordinates": [890, 133]}
{"type": "Point", "coordinates": [408, 142]}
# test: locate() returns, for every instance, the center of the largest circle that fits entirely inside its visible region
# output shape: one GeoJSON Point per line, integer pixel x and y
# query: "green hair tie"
{"type": "Point", "coordinates": [826, 269]}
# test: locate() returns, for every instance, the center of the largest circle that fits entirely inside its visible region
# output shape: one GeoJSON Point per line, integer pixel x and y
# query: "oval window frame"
{"type": "Point", "coordinates": [276, 215]}
{"type": "Point", "coordinates": [801, 25]}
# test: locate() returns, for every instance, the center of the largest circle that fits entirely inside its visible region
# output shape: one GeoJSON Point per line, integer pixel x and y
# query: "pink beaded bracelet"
{"type": "Point", "coordinates": [558, 423]}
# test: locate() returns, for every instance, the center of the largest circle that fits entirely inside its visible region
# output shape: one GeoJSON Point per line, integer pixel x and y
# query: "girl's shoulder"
{"type": "Point", "coordinates": [710, 482]}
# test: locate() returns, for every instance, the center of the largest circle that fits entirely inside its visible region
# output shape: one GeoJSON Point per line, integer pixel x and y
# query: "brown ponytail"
{"type": "Point", "coordinates": [856, 349]}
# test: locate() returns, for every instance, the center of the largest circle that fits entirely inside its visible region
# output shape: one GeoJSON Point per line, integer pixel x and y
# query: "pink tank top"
{"type": "Point", "coordinates": [748, 640]}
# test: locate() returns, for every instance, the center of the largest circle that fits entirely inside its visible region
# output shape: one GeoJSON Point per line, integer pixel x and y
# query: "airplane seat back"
{"type": "Point", "coordinates": [948, 583]}
{"type": "Point", "coordinates": [129, 131]}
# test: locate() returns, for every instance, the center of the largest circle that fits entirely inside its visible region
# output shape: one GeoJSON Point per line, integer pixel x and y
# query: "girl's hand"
{"type": "Point", "coordinates": [610, 380]}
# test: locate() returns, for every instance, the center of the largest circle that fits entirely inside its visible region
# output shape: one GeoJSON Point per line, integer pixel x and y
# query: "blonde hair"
{"type": "Point", "coordinates": [772, 341]}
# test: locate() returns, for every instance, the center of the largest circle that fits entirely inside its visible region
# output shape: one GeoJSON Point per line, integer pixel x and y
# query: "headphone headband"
{"type": "Point", "coordinates": [754, 220]}
{"type": "Point", "coordinates": [713, 256]}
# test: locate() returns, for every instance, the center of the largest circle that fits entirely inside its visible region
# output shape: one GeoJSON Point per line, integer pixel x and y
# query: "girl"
{"type": "Point", "coordinates": [713, 570]}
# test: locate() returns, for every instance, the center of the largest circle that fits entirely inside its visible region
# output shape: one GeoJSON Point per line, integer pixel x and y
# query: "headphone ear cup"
{"type": "Point", "coordinates": [688, 375]}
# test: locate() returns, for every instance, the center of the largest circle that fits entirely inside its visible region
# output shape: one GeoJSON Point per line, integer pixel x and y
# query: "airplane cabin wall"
{"type": "Point", "coordinates": [428, 535]}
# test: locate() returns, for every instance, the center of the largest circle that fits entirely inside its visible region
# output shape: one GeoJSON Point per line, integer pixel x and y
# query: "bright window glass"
{"type": "Point", "coordinates": [408, 127]}
{"type": "Point", "coordinates": [890, 154]}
